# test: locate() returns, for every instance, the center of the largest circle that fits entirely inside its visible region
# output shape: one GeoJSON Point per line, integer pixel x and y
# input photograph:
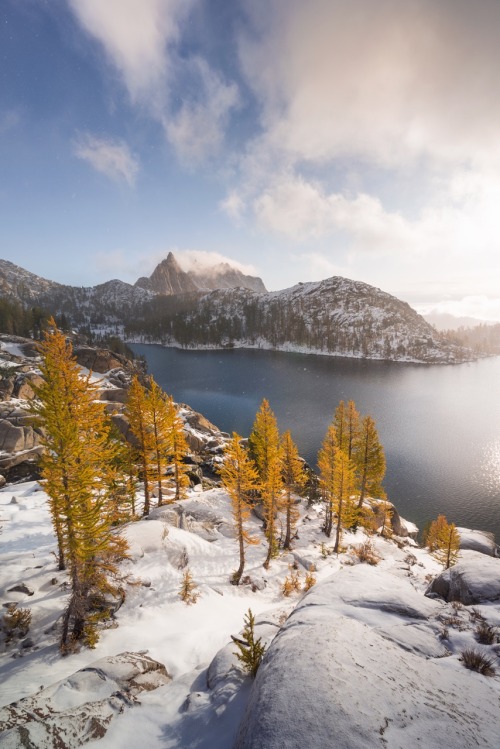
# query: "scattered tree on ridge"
{"type": "Point", "coordinates": [77, 475]}
{"type": "Point", "coordinates": [178, 449]}
{"type": "Point", "coordinates": [369, 460]}
{"type": "Point", "coordinates": [443, 541]}
{"type": "Point", "coordinates": [250, 651]}
{"type": "Point", "coordinates": [294, 480]}
{"type": "Point", "coordinates": [326, 465]}
{"type": "Point", "coordinates": [239, 477]}
{"type": "Point", "coordinates": [344, 504]}
{"type": "Point", "coordinates": [137, 411]}
{"type": "Point", "coordinates": [160, 416]}
{"type": "Point", "coordinates": [265, 448]}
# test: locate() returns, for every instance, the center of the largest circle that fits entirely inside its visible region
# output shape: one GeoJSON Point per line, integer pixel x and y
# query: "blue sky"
{"type": "Point", "coordinates": [299, 140]}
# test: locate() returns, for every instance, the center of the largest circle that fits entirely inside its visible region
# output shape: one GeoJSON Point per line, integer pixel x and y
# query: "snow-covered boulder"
{"type": "Point", "coordinates": [475, 579]}
{"type": "Point", "coordinates": [481, 541]}
{"type": "Point", "coordinates": [358, 666]}
{"type": "Point", "coordinates": [80, 708]}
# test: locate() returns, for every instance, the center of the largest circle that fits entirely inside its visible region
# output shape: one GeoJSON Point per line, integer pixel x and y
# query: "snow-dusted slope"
{"type": "Point", "coordinates": [366, 659]}
{"type": "Point", "coordinates": [335, 316]}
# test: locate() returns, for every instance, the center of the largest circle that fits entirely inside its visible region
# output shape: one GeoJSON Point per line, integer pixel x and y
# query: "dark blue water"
{"type": "Point", "coordinates": [440, 425]}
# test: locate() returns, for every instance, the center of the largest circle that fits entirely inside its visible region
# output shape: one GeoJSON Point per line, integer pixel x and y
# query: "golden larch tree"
{"type": "Point", "coordinates": [265, 449]}
{"type": "Point", "coordinates": [443, 541]}
{"type": "Point", "coordinates": [369, 460]}
{"type": "Point", "coordinates": [240, 479]}
{"type": "Point", "coordinates": [178, 449]}
{"type": "Point", "coordinates": [326, 465]}
{"type": "Point", "coordinates": [137, 412]}
{"type": "Point", "coordinates": [78, 475]}
{"type": "Point", "coordinates": [294, 480]}
{"type": "Point", "coordinates": [160, 417]}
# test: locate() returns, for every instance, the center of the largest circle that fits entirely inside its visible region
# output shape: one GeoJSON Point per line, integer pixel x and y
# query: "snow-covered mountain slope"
{"type": "Point", "coordinates": [336, 316]}
{"type": "Point", "coordinates": [169, 278]}
{"type": "Point", "coordinates": [363, 659]}
{"type": "Point", "coordinates": [21, 285]}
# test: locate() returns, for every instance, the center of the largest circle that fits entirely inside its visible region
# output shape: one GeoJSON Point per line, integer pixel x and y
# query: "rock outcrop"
{"type": "Point", "coordinates": [80, 708]}
{"type": "Point", "coordinates": [358, 664]}
{"type": "Point", "coordinates": [474, 579]}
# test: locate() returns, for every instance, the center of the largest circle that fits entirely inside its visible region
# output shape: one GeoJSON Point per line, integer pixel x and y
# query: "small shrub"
{"type": "Point", "coordinates": [309, 581]}
{"type": "Point", "coordinates": [250, 651]}
{"type": "Point", "coordinates": [476, 661]}
{"type": "Point", "coordinates": [291, 583]}
{"type": "Point", "coordinates": [485, 633]}
{"type": "Point", "coordinates": [365, 552]}
{"type": "Point", "coordinates": [476, 615]}
{"type": "Point", "coordinates": [444, 634]}
{"type": "Point", "coordinates": [326, 551]}
{"type": "Point", "coordinates": [188, 592]}
{"type": "Point", "coordinates": [183, 559]}
{"type": "Point", "coordinates": [16, 622]}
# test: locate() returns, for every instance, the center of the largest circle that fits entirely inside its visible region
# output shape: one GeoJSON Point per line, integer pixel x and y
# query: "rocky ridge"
{"type": "Point", "coordinates": [224, 308]}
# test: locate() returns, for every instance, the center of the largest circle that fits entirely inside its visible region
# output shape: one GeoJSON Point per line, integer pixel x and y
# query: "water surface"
{"type": "Point", "coordinates": [440, 425]}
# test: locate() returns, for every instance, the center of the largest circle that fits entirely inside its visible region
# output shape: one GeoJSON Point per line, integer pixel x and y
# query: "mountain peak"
{"type": "Point", "coordinates": [168, 278]}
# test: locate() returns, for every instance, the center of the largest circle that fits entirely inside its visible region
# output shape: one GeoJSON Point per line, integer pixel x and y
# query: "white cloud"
{"type": "Point", "coordinates": [8, 121]}
{"type": "Point", "coordinates": [319, 266]}
{"type": "Point", "coordinates": [141, 39]}
{"type": "Point", "coordinates": [388, 82]}
{"type": "Point", "coordinates": [112, 158]}
{"type": "Point", "coordinates": [119, 264]}
{"type": "Point", "coordinates": [233, 205]}
{"type": "Point", "coordinates": [202, 261]}
{"type": "Point", "coordinates": [303, 210]}
{"type": "Point", "coordinates": [479, 307]}
{"type": "Point", "coordinates": [135, 35]}
{"type": "Point", "coordinates": [197, 129]}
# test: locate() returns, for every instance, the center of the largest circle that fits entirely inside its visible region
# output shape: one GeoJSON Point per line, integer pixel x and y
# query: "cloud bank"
{"type": "Point", "coordinates": [112, 158]}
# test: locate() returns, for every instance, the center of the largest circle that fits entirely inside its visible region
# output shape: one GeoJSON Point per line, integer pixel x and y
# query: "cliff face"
{"type": "Point", "coordinates": [168, 278]}
{"type": "Point", "coordinates": [223, 307]}
{"type": "Point", "coordinates": [336, 316]}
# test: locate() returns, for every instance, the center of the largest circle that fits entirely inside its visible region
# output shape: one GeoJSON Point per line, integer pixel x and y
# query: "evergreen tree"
{"type": "Point", "coordinates": [369, 460]}
{"type": "Point", "coordinates": [443, 541]}
{"type": "Point", "coordinates": [344, 504]}
{"type": "Point", "coordinates": [137, 411]}
{"type": "Point", "coordinates": [77, 475]}
{"type": "Point", "coordinates": [178, 450]}
{"type": "Point", "coordinates": [265, 448]}
{"type": "Point", "coordinates": [294, 480]}
{"type": "Point", "coordinates": [160, 416]}
{"type": "Point", "coordinates": [239, 477]}
{"type": "Point", "coordinates": [326, 465]}
{"type": "Point", "coordinates": [250, 651]}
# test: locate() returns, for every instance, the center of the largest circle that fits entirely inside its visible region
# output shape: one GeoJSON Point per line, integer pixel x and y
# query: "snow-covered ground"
{"type": "Point", "coordinates": [185, 638]}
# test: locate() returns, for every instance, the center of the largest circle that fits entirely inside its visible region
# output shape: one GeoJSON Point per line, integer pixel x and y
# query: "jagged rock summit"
{"type": "Point", "coordinates": [168, 278]}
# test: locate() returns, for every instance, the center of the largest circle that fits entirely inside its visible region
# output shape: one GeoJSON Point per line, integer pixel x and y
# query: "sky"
{"type": "Point", "coordinates": [298, 140]}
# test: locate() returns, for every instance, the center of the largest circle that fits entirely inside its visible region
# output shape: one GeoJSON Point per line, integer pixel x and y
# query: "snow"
{"type": "Point", "coordinates": [379, 624]}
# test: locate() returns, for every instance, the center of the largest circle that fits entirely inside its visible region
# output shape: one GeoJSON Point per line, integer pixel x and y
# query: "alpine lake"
{"type": "Point", "coordinates": [439, 424]}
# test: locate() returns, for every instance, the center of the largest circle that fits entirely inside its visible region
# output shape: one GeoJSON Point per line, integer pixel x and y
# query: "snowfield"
{"type": "Point", "coordinates": [366, 659]}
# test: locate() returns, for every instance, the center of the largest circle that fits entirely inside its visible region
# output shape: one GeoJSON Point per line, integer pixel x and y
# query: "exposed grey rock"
{"type": "Point", "coordinates": [8, 462]}
{"type": "Point", "coordinates": [97, 694]}
{"type": "Point", "coordinates": [25, 384]}
{"type": "Point", "coordinates": [481, 541]}
{"type": "Point", "coordinates": [3, 480]}
{"type": "Point", "coordinates": [21, 588]}
{"type": "Point", "coordinates": [335, 675]}
{"type": "Point", "coordinates": [114, 395]}
{"type": "Point", "coordinates": [98, 360]}
{"type": "Point", "coordinates": [474, 579]}
{"type": "Point", "coordinates": [16, 438]}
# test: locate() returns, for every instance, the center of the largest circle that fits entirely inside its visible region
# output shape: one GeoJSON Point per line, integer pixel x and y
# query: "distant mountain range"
{"type": "Point", "coordinates": [222, 308]}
